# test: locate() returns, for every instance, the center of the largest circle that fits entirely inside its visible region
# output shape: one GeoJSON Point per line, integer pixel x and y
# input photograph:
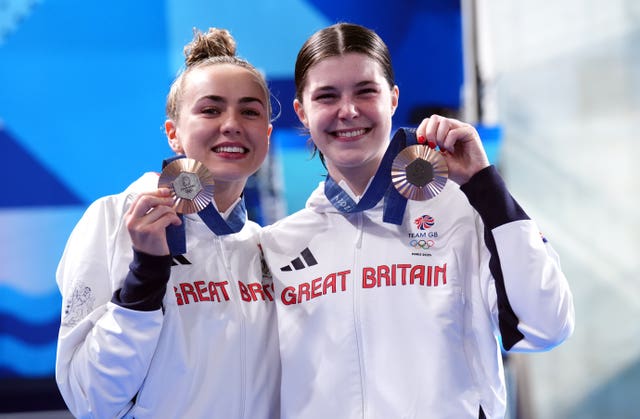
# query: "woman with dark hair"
{"type": "Point", "coordinates": [399, 284]}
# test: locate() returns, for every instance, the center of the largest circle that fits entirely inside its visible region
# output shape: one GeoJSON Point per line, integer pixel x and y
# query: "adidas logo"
{"type": "Point", "coordinates": [180, 260]}
{"type": "Point", "coordinates": [298, 263]}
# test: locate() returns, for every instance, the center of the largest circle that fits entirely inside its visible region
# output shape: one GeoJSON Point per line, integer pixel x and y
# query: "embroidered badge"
{"type": "Point", "coordinates": [79, 305]}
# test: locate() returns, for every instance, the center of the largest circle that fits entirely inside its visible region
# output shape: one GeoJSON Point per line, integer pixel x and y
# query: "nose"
{"type": "Point", "coordinates": [348, 109]}
{"type": "Point", "coordinates": [231, 124]}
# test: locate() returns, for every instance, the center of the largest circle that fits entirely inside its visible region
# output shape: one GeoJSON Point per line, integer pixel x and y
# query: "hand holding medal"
{"type": "Point", "coordinates": [459, 144]}
{"type": "Point", "coordinates": [190, 182]}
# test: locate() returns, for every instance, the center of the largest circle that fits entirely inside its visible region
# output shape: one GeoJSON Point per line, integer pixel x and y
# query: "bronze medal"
{"type": "Point", "coordinates": [419, 173]}
{"type": "Point", "coordinates": [190, 183]}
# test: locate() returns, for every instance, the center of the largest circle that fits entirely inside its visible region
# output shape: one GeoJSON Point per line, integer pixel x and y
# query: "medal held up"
{"type": "Point", "coordinates": [190, 182]}
{"type": "Point", "coordinates": [419, 173]}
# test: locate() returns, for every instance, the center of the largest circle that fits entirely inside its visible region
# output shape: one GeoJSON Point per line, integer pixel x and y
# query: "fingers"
{"type": "Point", "coordinates": [421, 132]}
{"type": "Point", "coordinates": [146, 201]}
{"type": "Point", "coordinates": [147, 218]}
{"type": "Point", "coordinates": [153, 207]}
{"type": "Point", "coordinates": [444, 132]}
{"type": "Point", "coordinates": [434, 130]}
{"type": "Point", "coordinates": [441, 126]}
{"type": "Point", "coordinates": [459, 143]}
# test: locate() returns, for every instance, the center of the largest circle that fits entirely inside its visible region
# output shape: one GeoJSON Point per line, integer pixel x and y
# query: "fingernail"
{"type": "Point", "coordinates": [421, 140]}
{"type": "Point", "coordinates": [432, 145]}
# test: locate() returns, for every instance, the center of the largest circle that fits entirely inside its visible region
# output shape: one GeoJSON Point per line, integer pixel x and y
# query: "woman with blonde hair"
{"type": "Point", "coordinates": [167, 314]}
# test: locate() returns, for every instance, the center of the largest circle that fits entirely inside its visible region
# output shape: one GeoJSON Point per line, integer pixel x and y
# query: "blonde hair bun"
{"type": "Point", "coordinates": [214, 43]}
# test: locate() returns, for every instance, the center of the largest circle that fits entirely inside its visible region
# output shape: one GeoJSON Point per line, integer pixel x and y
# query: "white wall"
{"type": "Point", "coordinates": [566, 76]}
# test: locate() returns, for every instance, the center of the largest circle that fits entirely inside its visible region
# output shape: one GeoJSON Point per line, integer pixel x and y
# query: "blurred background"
{"type": "Point", "coordinates": [553, 87]}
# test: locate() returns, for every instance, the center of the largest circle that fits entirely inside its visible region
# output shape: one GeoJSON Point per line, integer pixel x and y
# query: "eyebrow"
{"type": "Point", "coordinates": [220, 99]}
{"type": "Point", "coordinates": [366, 82]}
{"type": "Point", "coordinates": [357, 85]}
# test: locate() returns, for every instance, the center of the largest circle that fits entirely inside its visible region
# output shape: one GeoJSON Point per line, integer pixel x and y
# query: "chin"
{"type": "Point", "coordinates": [349, 158]}
{"type": "Point", "coordinates": [230, 176]}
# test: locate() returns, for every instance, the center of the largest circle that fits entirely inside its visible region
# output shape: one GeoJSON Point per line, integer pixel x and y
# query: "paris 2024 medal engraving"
{"type": "Point", "coordinates": [191, 185]}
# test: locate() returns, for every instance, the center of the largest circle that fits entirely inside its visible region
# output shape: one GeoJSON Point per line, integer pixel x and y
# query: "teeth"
{"type": "Point", "coordinates": [349, 134]}
{"type": "Point", "coordinates": [229, 149]}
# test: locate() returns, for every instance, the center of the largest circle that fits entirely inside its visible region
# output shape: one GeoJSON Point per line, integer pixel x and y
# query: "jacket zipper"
{"type": "Point", "coordinates": [238, 308]}
{"type": "Point", "coordinates": [356, 308]}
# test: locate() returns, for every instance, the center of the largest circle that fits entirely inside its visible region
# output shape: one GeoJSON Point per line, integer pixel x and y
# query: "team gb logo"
{"type": "Point", "coordinates": [425, 222]}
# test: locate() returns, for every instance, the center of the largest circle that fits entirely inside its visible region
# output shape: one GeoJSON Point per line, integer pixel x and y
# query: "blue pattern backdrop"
{"type": "Point", "coordinates": [82, 94]}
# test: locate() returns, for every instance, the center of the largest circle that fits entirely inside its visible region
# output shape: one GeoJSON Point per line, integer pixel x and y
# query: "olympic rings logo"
{"type": "Point", "coordinates": [422, 244]}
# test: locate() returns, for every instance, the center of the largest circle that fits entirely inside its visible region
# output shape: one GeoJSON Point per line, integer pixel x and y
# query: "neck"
{"type": "Point", "coordinates": [357, 184]}
{"type": "Point", "coordinates": [356, 177]}
{"type": "Point", "coordinates": [226, 193]}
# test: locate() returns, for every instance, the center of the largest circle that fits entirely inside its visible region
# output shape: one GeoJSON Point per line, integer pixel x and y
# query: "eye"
{"type": "Point", "coordinates": [368, 91]}
{"type": "Point", "coordinates": [251, 112]}
{"type": "Point", "coordinates": [325, 97]}
{"type": "Point", "coordinates": [211, 110]}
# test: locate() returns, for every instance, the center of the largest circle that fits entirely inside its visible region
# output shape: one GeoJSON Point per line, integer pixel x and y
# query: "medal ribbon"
{"type": "Point", "coordinates": [394, 203]}
{"type": "Point", "coordinates": [176, 238]}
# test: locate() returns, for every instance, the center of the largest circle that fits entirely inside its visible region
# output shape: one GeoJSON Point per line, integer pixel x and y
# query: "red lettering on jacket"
{"type": "Point", "coordinates": [440, 270]}
{"type": "Point", "coordinates": [373, 277]}
{"type": "Point", "coordinates": [213, 291]}
{"type": "Point", "coordinates": [186, 291]}
{"type": "Point", "coordinates": [306, 291]}
{"type": "Point", "coordinates": [404, 274]}
{"type": "Point", "coordinates": [255, 291]}
{"type": "Point", "coordinates": [202, 289]}
{"type": "Point", "coordinates": [199, 291]}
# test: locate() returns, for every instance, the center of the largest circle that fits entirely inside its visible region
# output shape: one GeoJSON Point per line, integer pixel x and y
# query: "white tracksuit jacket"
{"type": "Point", "coordinates": [384, 321]}
{"type": "Point", "coordinates": [209, 352]}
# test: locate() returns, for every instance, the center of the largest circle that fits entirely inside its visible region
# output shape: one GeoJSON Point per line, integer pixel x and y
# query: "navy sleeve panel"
{"type": "Point", "coordinates": [145, 284]}
{"type": "Point", "coordinates": [489, 196]}
{"type": "Point", "coordinates": [507, 319]}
